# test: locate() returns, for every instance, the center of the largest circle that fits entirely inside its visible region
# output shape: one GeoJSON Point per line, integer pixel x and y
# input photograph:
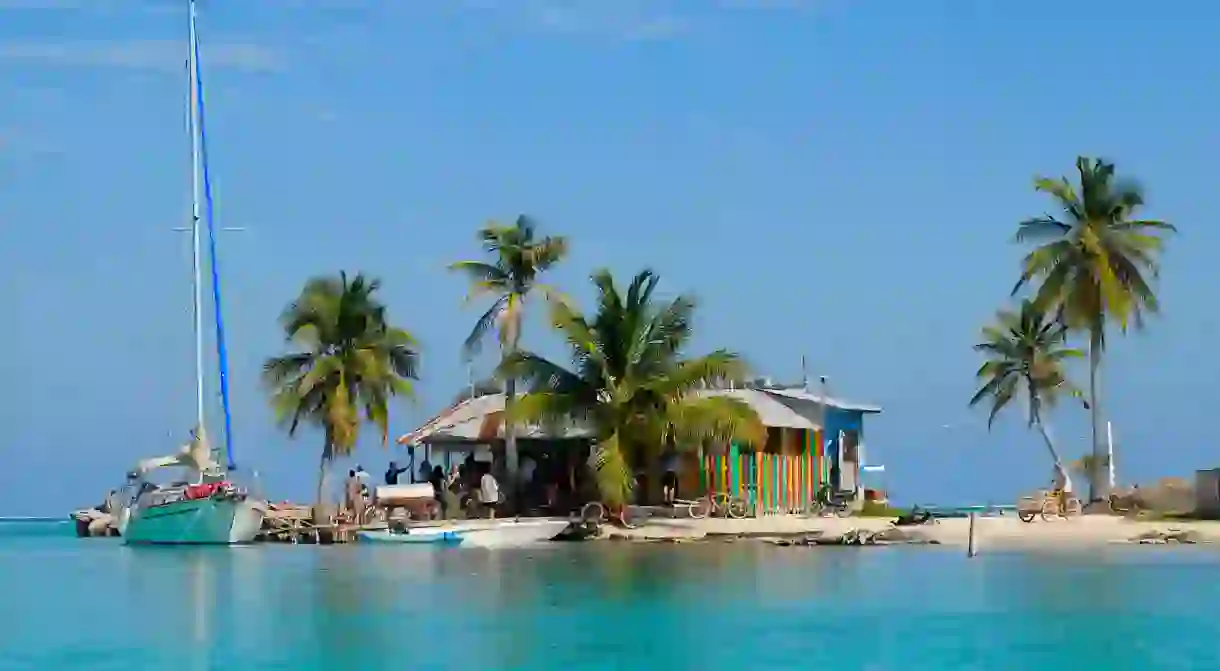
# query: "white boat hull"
{"type": "Point", "coordinates": [474, 533]}
{"type": "Point", "coordinates": [206, 521]}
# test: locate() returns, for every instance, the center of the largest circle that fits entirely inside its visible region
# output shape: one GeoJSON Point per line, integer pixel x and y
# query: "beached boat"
{"type": "Point", "coordinates": [472, 533]}
{"type": "Point", "coordinates": [204, 507]}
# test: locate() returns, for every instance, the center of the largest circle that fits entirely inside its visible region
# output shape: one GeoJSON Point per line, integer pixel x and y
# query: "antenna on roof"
{"type": "Point", "coordinates": [470, 377]}
{"type": "Point", "coordinates": [804, 375]}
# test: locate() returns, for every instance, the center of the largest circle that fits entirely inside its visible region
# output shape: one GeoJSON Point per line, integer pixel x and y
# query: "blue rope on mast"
{"type": "Point", "coordinates": [222, 353]}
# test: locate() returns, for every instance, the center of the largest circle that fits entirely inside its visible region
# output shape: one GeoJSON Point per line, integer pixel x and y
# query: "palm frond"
{"type": "Point", "coordinates": [721, 419]}
{"type": "Point", "coordinates": [483, 325]}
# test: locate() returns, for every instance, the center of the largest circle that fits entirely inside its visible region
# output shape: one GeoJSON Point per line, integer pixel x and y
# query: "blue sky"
{"type": "Point", "coordinates": [837, 179]}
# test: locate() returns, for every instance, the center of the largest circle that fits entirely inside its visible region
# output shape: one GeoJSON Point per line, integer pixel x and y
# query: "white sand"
{"type": "Point", "coordinates": [993, 532]}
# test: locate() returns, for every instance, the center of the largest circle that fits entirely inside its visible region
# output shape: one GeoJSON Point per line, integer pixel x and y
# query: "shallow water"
{"type": "Point", "coordinates": [95, 604]}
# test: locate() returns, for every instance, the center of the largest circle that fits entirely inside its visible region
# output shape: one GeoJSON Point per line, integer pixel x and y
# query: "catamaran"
{"type": "Point", "coordinates": [204, 507]}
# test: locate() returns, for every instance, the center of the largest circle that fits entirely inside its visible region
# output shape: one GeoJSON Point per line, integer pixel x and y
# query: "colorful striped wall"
{"type": "Point", "coordinates": [778, 482]}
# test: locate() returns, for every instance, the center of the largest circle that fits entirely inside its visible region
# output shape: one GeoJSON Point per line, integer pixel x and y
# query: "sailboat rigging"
{"type": "Point", "coordinates": [206, 508]}
{"type": "Point", "coordinates": [204, 177]}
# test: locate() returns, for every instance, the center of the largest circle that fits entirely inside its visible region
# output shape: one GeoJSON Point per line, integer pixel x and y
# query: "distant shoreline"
{"type": "Point", "coordinates": [1002, 532]}
{"type": "Point", "coordinates": [27, 518]}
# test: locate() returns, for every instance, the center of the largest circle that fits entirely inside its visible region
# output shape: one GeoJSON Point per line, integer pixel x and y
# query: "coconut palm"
{"type": "Point", "coordinates": [346, 363]}
{"type": "Point", "coordinates": [1026, 352]}
{"type": "Point", "coordinates": [1093, 262]}
{"type": "Point", "coordinates": [511, 278]}
{"type": "Point", "coordinates": [631, 383]}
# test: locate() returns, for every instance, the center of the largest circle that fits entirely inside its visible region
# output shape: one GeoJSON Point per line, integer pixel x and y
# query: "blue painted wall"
{"type": "Point", "coordinates": [842, 420]}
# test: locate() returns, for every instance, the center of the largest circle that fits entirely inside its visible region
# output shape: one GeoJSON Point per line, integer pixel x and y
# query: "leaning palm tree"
{"type": "Point", "coordinates": [1093, 264]}
{"type": "Point", "coordinates": [519, 258]}
{"type": "Point", "coordinates": [346, 363]}
{"type": "Point", "coordinates": [631, 383]}
{"type": "Point", "coordinates": [1026, 352]}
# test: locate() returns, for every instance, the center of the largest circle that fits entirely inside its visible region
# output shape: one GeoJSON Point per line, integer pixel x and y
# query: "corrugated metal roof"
{"type": "Point", "coordinates": [828, 401]}
{"type": "Point", "coordinates": [481, 418]}
{"type": "Point", "coordinates": [770, 411]}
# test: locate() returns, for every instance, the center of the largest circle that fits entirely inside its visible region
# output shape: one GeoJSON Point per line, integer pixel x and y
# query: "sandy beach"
{"type": "Point", "coordinates": [1005, 532]}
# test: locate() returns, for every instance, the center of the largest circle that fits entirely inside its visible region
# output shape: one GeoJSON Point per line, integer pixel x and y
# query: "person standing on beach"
{"type": "Point", "coordinates": [669, 481]}
{"type": "Point", "coordinates": [489, 492]}
{"type": "Point", "coordinates": [437, 479]}
{"type": "Point", "coordinates": [351, 494]}
{"type": "Point", "coordinates": [364, 478]}
{"type": "Point", "coordinates": [1062, 485]}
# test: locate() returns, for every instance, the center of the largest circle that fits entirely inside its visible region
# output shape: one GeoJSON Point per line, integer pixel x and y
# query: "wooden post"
{"type": "Point", "coordinates": [971, 550]}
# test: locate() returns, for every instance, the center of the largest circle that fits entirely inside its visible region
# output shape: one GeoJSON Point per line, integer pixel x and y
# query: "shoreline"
{"type": "Point", "coordinates": [1004, 532]}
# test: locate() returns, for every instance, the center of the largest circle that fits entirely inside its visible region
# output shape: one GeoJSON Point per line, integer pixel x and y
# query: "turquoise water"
{"type": "Point", "coordinates": [94, 604]}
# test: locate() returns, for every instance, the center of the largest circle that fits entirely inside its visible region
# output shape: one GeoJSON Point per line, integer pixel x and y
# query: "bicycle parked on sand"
{"type": "Point", "coordinates": [718, 504]}
{"type": "Point", "coordinates": [1125, 502]}
{"type": "Point", "coordinates": [1049, 505]}
{"type": "Point", "coordinates": [829, 501]}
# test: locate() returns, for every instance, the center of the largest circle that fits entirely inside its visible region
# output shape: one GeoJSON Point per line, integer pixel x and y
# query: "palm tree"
{"type": "Point", "coordinates": [631, 383]}
{"type": "Point", "coordinates": [1026, 352]}
{"type": "Point", "coordinates": [1094, 263]}
{"type": "Point", "coordinates": [346, 363]}
{"type": "Point", "coordinates": [519, 258]}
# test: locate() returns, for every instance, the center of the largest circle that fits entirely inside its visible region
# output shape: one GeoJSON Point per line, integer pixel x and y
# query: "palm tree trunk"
{"type": "Point", "coordinates": [510, 434]}
{"type": "Point", "coordinates": [319, 511]}
{"type": "Point", "coordinates": [510, 429]}
{"type": "Point", "coordinates": [1097, 483]}
{"type": "Point", "coordinates": [1050, 445]}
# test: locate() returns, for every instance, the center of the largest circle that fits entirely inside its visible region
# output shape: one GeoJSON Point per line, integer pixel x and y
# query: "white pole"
{"type": "Point", "coordinates": [1110, 452]}
{"type": "Point", "coordinates": [195, 217]}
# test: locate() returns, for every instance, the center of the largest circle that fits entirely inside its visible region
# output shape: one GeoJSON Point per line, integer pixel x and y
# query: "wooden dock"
{"type": "Point", "coordinates": [291, 523]}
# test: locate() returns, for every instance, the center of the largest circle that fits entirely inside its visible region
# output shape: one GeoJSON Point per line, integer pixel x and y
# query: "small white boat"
{"type": "Point", "coordinates": [473, 533]}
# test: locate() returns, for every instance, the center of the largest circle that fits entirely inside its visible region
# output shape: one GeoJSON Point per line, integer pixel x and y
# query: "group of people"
{"type": "Point", "coordinates": [472, 486]}
{"type": "Point", "coordinates": [465, 483]}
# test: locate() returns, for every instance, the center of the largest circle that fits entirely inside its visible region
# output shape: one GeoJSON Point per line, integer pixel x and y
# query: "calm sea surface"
{"type": "Point", "coordinates": [94, 604]}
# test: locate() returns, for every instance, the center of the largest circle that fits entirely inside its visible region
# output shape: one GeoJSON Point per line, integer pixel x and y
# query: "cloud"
{"type": "Point", "coordinates": [155, 55]}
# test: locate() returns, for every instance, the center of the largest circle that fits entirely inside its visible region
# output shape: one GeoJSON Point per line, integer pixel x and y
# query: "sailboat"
{"type": "Point", "coordinates": [204, 507]}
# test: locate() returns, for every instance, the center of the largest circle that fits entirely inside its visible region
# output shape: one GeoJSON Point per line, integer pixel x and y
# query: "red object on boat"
{"type": "Point", "coordinates": [205, 490]}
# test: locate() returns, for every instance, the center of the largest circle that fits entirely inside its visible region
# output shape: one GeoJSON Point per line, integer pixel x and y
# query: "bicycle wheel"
{"type": "Point", "coordinates": [1049, 509]}
{"type": "Point", "coordinates": [720, 505]}
{"type": "Point", "coordinates": [1073, 508]}
{"type": "Point", "coordinates": [843, 510]}
{"type": "Point", "coordinates": [737, 508]}
{"type": "Point", "coordinates": [593, 512]}
{"type": "Point", "coordinates": [700, 508]}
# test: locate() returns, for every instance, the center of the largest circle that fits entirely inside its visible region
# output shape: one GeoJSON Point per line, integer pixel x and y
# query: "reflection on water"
{"type": "Point", "coordinates": [600, 606]}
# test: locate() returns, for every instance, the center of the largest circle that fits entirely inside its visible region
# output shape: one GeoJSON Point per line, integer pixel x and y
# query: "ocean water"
{"type": "Point", "coordinates": [95, 604]}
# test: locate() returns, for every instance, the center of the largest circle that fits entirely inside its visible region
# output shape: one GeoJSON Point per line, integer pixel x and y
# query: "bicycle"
{"type": "Point", "coordinates": [1051, 504]}
{"type": "Point", "coordinates": [825, 501]}
{"type": "Point", "coordinates": [718, 504]}
{"type": "Point", "coordinates": [1121, 504]}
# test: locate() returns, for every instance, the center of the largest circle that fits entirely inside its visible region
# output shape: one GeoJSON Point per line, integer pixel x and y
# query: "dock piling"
{"type": "Point", "coordinates": [971, 548]}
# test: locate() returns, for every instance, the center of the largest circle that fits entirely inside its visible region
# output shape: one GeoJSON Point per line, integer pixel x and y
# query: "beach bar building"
{"type": "Point", "coordinates": [811, 441]}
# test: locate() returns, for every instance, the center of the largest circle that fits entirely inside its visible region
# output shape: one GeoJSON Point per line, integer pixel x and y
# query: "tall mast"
{"type": "Point", "coordinates": [196, 237]}
{"type": "Point", "coordinates": [222, 356]}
